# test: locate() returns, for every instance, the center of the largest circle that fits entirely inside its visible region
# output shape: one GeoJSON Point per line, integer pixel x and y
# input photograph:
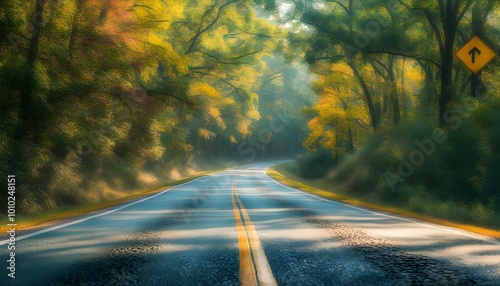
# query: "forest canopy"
{"type": "Point", "coordinates": [104, 97]}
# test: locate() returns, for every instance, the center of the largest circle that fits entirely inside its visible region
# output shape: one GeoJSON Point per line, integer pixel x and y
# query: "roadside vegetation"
{"type": "Point", "coordinates": [462, 196]}
{"type": "Point", "coordinates": [400, 121]}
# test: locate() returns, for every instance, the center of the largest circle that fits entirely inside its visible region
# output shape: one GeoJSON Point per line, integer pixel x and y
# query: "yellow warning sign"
{"type": "Point", "coordinates": [475, 54]}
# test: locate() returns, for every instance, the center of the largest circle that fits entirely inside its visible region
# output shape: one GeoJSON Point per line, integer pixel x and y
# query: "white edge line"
{"type": "Point", "coordinates": [3, 242]}
{"type": "Point", "coordinates": [448, 229]}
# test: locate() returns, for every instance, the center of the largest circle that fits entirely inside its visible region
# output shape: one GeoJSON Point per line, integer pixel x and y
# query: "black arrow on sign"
{"type": "Point", "coordinates": [473, 53]}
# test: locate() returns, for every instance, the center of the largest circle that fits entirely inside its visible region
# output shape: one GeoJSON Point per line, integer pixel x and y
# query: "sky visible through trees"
{"type": "Point", "coordinates": [104, 98]}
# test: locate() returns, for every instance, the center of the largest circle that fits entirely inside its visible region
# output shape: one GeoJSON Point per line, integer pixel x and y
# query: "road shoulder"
{"type": "Point", "coordinates": [288, 179]}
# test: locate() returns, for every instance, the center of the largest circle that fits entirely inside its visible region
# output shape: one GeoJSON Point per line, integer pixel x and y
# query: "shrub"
{"type": "Point", "coordinates": [315, 165]}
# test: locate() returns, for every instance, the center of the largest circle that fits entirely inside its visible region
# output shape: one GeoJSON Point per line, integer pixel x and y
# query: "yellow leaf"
{"type": "Point", "coordinates": [204, 89]}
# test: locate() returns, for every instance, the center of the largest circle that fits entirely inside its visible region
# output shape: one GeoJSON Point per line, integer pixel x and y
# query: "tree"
{"type": "Point", "coordinates": [444, 17]}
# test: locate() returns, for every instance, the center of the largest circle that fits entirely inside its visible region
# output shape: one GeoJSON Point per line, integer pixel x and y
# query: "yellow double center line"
{"type": "Point", "coordinates": [254, 267]}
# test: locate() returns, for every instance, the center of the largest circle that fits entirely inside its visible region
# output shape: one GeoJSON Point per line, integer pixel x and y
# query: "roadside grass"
{"type": "Point", "coordinates": [435, 211]}
{"type": "Point", "coordinates": [27, 222]}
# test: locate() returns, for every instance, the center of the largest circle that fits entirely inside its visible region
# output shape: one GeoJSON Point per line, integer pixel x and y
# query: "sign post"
{"type": "Point", "coordinates": [475, 55]}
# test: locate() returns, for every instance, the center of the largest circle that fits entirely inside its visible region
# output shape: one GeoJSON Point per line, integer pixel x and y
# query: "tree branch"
{"type": "Point", "coordinates": [217, 59]}
{"type": "Point", "coordinates": [405, 5]}
{"type": "Point", "coordinates": [402, 54]}
{"type": "Point", "coordinates": [466, 7]}
{"type": "Point", "coordinates": [200, 31]}
{"type": "Point", "coordinates": [236, 89]}
{"type": "Point", "coordinates": [442, 9]}
{"type": "Point", "coordinates": [428, 15]}
{"type": "Point", "coordinates": [245, 55]}
{"type": "Point", "coordinates": [341, 5]}
{"type": "Point", "coordinates": [377, 70]}
{"type": "Point", "coordinates": [253, 34]}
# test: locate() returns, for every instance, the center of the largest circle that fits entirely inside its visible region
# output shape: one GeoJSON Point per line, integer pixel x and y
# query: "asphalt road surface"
{"type": "Point", "coordinates": [240, 227]}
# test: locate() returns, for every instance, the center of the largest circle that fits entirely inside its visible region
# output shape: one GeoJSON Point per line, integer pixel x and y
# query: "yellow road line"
{"type": "Point", "coordinates": [247, 268]}
{"type": "Point", "coordinates": [254, 267]}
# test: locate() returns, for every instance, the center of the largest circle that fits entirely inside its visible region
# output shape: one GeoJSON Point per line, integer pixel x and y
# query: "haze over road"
{"type": "Point", "coordinates": [241, 227]}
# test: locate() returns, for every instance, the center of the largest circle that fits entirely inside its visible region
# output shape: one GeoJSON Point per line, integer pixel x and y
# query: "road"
{"type": "Point", "coordinates": [240, 227]}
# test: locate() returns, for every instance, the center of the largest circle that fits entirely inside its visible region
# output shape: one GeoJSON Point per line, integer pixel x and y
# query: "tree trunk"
{"type": "Point", "coordinates": [74, 27]}
{"type": "Point", "coordinates": [368, 96]}
{"type": "Point", "coordinates": [394, 91]}
{"type": "Point", "coordinates": [477, 30]}
{"type": "Point", "coordinates": [29, 115]}
{"type": "Point", "coordinates": [450, 26]}
{"type": "Point", "coordinates": [446, 85]}
{"type": "Point", "coordinates": [430, 93]}
{"type": "Point", "coordinates": [350, 140]}
{"type": "Point", "coordinates": [27, 112]}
